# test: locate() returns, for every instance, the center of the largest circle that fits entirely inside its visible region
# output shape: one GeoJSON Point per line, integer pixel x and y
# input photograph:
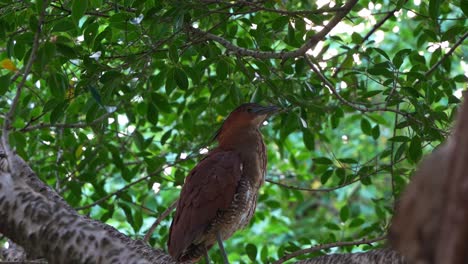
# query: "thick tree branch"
{"type": "Point", "coordinates": [35, 217]}
{"type": "Point", "coordinates": [378, 256]}
{"type": "Point", "coordinates": [327, 246]}
{"type": "Point", "coordinates": [239, 51]}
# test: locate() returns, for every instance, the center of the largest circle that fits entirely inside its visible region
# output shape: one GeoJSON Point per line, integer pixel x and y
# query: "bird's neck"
{"type": "Point", "coordinates": [245, 139]}
{"type": "Point", "coordinates": [251, 149]}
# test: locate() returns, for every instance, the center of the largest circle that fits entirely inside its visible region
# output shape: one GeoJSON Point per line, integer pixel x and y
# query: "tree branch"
{"type": "Point", "coordinates": [355, 106]}
{"type": "Point", "coordinates": [239, 51]}
{"type": "Point", "coordinates": [38, 219]}
{"type": "Point", "coordinates": [149, 176]}
{"type": "Point", "coordinates": [27, 127]}
{"type": "Point", "coordinates": [448, 54]}
{"type": "Point", "coordinates": [27, 69]}
{"type": "Point", "coordinates": [328, 246]}
{"type": "Point", "coordinates": [377, 256]}
{"type": "Point", "coordinates": [159, 220]}
{"type": "Point", "coordinates": [366, 37]}
{"type": "Point", "coordinates": [256, 7]}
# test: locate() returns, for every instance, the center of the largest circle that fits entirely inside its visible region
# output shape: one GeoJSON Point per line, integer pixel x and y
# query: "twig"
{"type": "Point", "coordinates": [366, 37]}
{"type": "Point", "coordinates": [118, 191]}
{"type": "Point", "coordinates": [357, 107]}
{"type": "Point", "coordinates": [239, 51]}
{"type": "Point", "coordinates": [149, 176]}
{"type": "Point", "coordinates": [448, 54]}
{"type": "Point", "coordinates": [99, 14]}
{"type": "Point", "coordinates": [257, 7]}
{"type": "Point", "coordinates": [64, 125]}
{"type": "Point", "coordinates": [292, 187]}
{"type": "Point", "coordinates": [32, 57]}
{"type": "Point", "coordinates": [327, 246]}
{"type": "Point", "coordinates": [159, 220]}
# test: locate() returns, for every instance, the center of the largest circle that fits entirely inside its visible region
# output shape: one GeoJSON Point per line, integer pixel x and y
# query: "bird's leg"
{"type": "Point", "coordinates": [207, 257]}
{"type": "Point", "coordinates": [221, 247]}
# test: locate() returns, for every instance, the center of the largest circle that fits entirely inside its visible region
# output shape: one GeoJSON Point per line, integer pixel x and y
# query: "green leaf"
{"type": "Point", "coordinates": [381, 52]}
{"type": "Point", "coordinates": [326, 176]}
{"type": "Point", "coordinates": [344, 213]}
{"type": "Point", "coordinates": [58, 112]}
{"type": "Point", "coordinates": [4, 84]}
{"type": "Point", "coordinates": [415, 149]}
{"type": "Point", "coordinates": [251, 251]}
{"type": "Point", "coordinates": [434, 6]}
{"type": "Point", "coordinates": [399, 57]}
{"type": "Point", "coordinates": [380, 69]}
{"type": "Point", "coordinates": [399, 139]}
{"type": "Point", "coordinates": [174, 54]}
{"type": "Point", "coordinates": [332, 226]}
{"type": "Point", "coordinates": [356, 222]}
{"type": "Point", "coordinates": [139, 140]}
{"type": "Point", "coordinates": [264, 254]}
{"type": "Point", "coordinates": [308, 138]}
{"type": "Point", "coordinates": [464, 7]}
{"type": "Point", "coordinates": [58, 85]}
{"type": "Point", "coordinates": [18, 140]}
{"type": "Point", "coordinates": [181, 78]}
{"type": "Point", "coordinates": [323, 160]}
{"type": "Point", "coordinates": [152, 114]}
{"type": "Point", "coordinates": [222, 69]}
{"type": "Point", "coordinates": [165, 137]}
{"type": "Point", "coordinates": [356, 38]}
{"type": "Point", "coordinates": [78, 10]}
{"type": "Point", "coordinates": [95, 94]}
{"type": "Point", "coordinates": [64, 25]}
{"type": "Point", "coordinates": [366, 127]}
{"type": "Point", "coordinates": [376, 132]}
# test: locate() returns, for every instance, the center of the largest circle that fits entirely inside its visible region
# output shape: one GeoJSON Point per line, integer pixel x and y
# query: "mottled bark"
{"type": "Point", "coordinates": [35, 217]}
{"type": "Point", "coordinates": [430, 223]}
{"type": "Point", "coordinates": [378, 256]}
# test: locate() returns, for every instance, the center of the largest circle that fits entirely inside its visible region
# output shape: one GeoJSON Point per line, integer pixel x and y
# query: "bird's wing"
{"type": "Point", "coordinates": [209, 187]}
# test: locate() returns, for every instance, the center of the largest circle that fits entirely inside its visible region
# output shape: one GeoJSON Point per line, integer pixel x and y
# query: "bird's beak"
{"type": "Point", "coordinates": [265, 110]}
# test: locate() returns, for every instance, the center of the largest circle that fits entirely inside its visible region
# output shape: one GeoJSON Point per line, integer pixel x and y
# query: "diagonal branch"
{"type": "Point", "coordinates": [64, 125]}
{"type": "Point", "coordinates": [355, 106]}
{"type": "Point", "coordinates": [448, 54]}
{"type": "Point", "coordinates": [328, 246]}
{"type": "Point", "coordinates": [27, 69]}
{"type": "Point", "coordinates": [313, 40]}
{"type": "Point", "coordinates": [159, 220]}
{"type": "Point", "coordinates": [367, 36]}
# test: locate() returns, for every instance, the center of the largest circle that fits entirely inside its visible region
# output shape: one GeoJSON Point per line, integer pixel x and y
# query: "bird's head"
{"type": "Point", "coordinates": [247, 116]}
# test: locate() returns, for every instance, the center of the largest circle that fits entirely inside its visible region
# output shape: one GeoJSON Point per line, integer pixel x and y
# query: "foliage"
{"type": "Point", "coordinates": [124, 96]}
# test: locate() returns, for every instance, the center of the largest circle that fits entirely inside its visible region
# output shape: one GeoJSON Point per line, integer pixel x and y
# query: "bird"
{"type": "Point", "coordinates": [219, 195]}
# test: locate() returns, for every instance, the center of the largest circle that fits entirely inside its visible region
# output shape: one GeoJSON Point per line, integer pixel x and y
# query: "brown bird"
{"type": "Point", "coordinates": [220, 194]}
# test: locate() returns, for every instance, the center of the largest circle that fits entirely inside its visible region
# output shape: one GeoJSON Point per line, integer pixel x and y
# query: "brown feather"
{"type": "Point", "coordinates": [209, 189]}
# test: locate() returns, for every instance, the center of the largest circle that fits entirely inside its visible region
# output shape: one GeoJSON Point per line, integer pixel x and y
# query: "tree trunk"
{"type": "Point", "coordinates": [430, 223]}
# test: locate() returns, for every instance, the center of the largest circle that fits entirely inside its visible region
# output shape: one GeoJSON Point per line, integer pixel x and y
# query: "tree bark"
{"type": "Point", "coordinates": [35, 217]}
{"type": "Point", "coordinates": [430, 223]}
{"type": "Point", "coordinates": [378, 256]}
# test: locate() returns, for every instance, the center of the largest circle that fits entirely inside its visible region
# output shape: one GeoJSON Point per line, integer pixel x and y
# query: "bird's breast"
{"type": "Point", "coordinates": [241, 210]}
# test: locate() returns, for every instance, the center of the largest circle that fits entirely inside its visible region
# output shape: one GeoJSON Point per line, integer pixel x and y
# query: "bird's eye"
{"type": "Point", "coordinates": [249, 110]}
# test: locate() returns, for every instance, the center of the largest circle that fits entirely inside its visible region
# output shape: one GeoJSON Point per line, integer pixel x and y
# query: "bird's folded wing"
{"type": "Point", "coordinates": [209, 188]}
